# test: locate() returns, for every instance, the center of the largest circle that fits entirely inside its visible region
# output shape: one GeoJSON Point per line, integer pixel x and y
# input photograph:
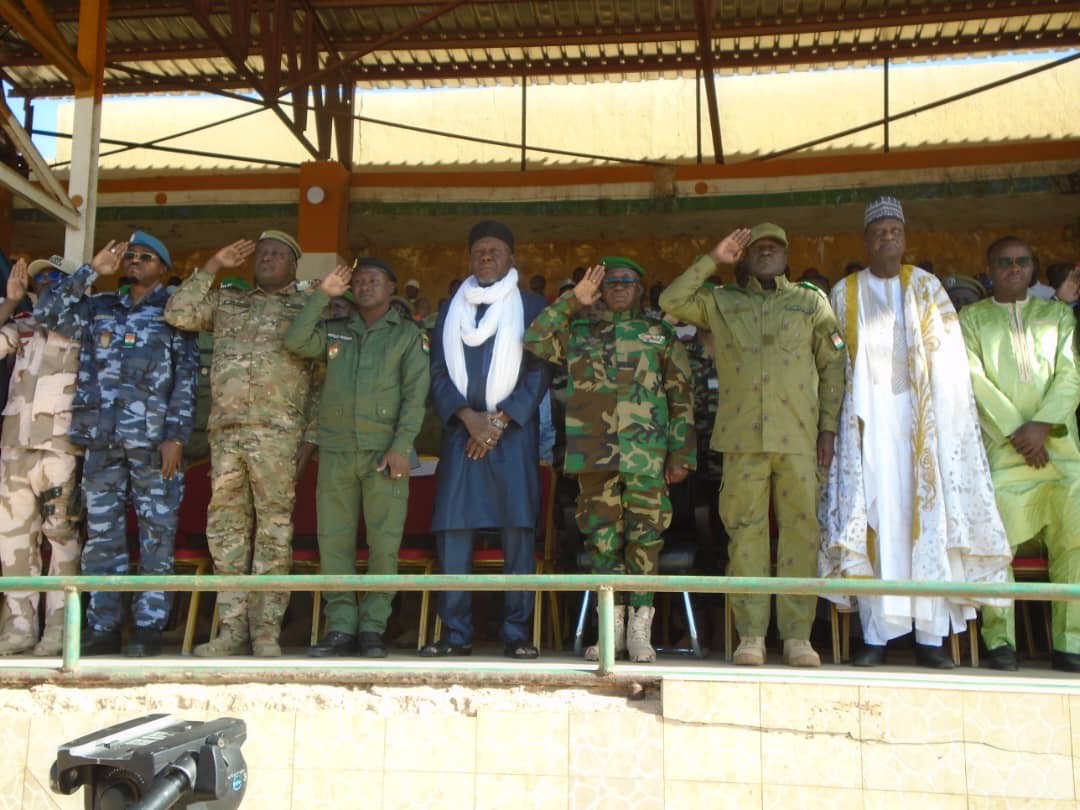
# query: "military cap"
{"type": "Point", "coordinates": [767, 230]}
{"type": "Point", "coordinates": [285, 239]}
{"type": "Point", "coordinates": [378, 264]}
{"type": "Point", "coordinates": [611, 262]}
{"type": "Point", "coordinates": [65, 266]}
{"type": "Point", "coordinates": [143, 239]}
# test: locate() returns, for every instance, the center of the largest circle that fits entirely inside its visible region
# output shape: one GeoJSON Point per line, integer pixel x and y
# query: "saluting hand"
{"type": "Point", "coordinates": [337, 282]}
{"type": "Point", "coordinates": [587, 291]}
{"type": "Point", "coordinates": [1069, 290]}
{"type": "Point", "coordinates": [18, 282]}
{"type": "Point", "coordinates": [107, 261]}
{"type": "Point", "coordinates": [231, 256]}
{"type": "Point", "coordinates": [729, 249]}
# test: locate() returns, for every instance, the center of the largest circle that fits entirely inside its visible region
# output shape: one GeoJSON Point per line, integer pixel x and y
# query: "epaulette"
{"type": "Point", "coordinates": [733, 288]}
{"type": "Point", "coordinates": [813, 287]}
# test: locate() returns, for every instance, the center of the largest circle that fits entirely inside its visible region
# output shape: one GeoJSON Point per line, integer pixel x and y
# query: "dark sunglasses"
{"type": "Point", "coordinates": [142, 257]}
{"type": "Point", "coordinates": [1005, 262]}
{"type": "Point", "coordinates": [48, 277]}
{"type": "Point", "coordinates": [619, 282]}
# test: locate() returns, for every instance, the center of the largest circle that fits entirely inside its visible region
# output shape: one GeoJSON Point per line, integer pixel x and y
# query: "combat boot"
{"type": "Point", "coordinates": [231, 640]}
{"type": "Point", "coordinates": [799, 653]}
{"type": "Point", "coordinates": [265, 647]}
{"type": "Point", "coordinates": [592, 652]}
{"type": "Point", "coordinates": [52, 640]}
{"type": "Point", "coordinates": [638, 632]}
{"type": "Point", "coordinates": [12, 643]}
{"type": "Point", "coordinates": [750, 652]}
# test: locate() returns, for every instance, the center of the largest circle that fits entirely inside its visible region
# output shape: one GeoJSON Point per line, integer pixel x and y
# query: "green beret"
{"type": "Point", "coordinates": [611, 262]}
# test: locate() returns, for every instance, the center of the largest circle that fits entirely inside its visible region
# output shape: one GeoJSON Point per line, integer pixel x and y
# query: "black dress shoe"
{"type": "Point", "coordinates": [334, 644]}
{"type": "Point", "coordinates": [100, 642]}
{"type": "Point", "coordinates": [931, 657]}
{"type": "Point", "coordinates": [521, 651]}
{"type": "Point", "coordinates": [1066, 662]}
{"type": "Point", "coordinates": [1003, 658]}
{"type": "Point", "coordinates": [371, 645]}
{"type": "Point", "coordinates": [443, 648]}
{"type": "Point", "coordinates": [871, 655]}
{"type": "Point", "coordinates": [145, 642]}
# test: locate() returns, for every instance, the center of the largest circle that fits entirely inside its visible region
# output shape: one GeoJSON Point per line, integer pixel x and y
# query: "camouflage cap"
{"type": "Point", "coordinates": [768, 230]}
{"type": "Point", "coordinates": [611, 262]}
{"type": "Point", "coordinates": [285, 239]}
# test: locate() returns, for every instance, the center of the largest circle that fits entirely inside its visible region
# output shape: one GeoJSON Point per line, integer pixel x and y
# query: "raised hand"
{"type": "Point", "coordinates": [231, 256]}
{"type": "Point", "coordinates": [587, 291]}
{"type": "Point", "coordinates": [337, 281]}
{"type": "Point", "coordinates": [18, 282]}
{"type": "Point", "coordinates": [730, 249]}
{"type": "Point", "coordinates": [107, 261]}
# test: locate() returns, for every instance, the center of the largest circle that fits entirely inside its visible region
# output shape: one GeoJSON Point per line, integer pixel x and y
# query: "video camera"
{"type": "Point", "coordinates": [154, 763]}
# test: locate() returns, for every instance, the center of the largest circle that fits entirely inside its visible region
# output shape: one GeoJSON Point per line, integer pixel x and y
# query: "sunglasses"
{"type": "Point", "coordinates": [619, 282]}
{"type": "Point", "coordinates": [142, 257]}
{"type": "Point", "coordinates": [1005, 262]}
{"type": "Point", "coordinates": [48, 277]}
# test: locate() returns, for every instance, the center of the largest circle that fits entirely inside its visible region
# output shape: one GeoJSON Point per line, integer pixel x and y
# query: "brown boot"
{"type": "Point", "coordinates": [12, 643]}
{"type": "Point", "coordinates": [750, 652]}
{"type": "Point", "coordinates": [638, 634]}
{"type": "Point", "coordinates": [265, 647]}
{"type": "Point", "coordinates": [592, 652]}
{"type": "Point", "coordinates": [799, 653]}
{"type": "Point", "coordinates": [52, 640]}
{"type": "Point", "coordinates": [231, 640]}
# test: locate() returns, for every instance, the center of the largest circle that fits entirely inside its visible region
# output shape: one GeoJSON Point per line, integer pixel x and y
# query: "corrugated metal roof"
{"type": "Point", "coordinates": [161, 45]}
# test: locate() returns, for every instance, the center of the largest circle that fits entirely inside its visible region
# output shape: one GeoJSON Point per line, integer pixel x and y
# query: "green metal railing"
{"type": "Point", "coordinates": [605, 585]}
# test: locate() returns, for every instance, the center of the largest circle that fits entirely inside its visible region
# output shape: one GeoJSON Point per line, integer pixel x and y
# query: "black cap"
{"type": "Point", "coordinates": [490, 227]}
{"type": "Point", "coordinates": [371, 261]}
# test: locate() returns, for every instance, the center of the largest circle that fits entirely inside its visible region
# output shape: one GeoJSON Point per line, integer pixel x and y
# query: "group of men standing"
{"type": "Point", "coordinates": [891, 438]}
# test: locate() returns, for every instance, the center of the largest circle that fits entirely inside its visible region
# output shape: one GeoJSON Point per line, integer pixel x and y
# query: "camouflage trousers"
{"type": "Point", "coordinates": [110, 476]}
{"type": "Point", "coordinates": [750, 480]}
{"type": "Point", "coordinates": [38, 498]}
{"type": "Point", "coordinates": [623, 518]}
{"type": "Point", "coordinates": [249, 526]}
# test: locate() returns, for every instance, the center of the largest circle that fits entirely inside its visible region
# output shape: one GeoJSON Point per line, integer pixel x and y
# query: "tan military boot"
{"type": "Point", "coordinates": [638, 634]}
{"type": "Point", "coordinates": [231, 640]}
{"type": "Point", "coordinates": [750, 652]}
{"type": "Point", "coordinates": [12, 643]}
{"type": "Point", "coordinates": [265, 647]}
{"type": "Point", "coordinates": [52, 640]}
{"type": "Point", "coordinates": [592, 652]}
{"type": "Point", "coordinates": [799, 653]}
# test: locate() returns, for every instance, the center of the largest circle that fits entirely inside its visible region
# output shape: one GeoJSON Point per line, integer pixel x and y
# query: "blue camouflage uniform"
{"type": "Point", "coordinates": [136, 389]}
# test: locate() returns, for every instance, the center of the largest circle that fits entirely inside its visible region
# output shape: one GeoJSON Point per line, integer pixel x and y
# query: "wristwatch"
{"type": "Point", "coordinates": [499, 423]}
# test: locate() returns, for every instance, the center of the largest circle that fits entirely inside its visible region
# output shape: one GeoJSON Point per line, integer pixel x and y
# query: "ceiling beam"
{"type": "Point", "coordinates": [703, 10]}
{"type": "Point", "coordinates": [38, 30]}
{"type": "Point", "coordinates": [816, 55]}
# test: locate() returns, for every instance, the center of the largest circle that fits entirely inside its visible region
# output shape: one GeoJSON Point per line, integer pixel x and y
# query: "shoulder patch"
{"type": "Point", "coordinates": [425, 343]}
{"type": "Point", "coordinates": [653, 338]}
{"type": "Point", "coordinates": [837, 341]}
{"type": "Point", "coordinates": [813, 287]}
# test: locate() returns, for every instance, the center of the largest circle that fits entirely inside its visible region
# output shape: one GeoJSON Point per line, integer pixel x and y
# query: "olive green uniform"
{"type": "Point", "coordinates": [377, 380]}
{"type": "Point", "coordinates": [781, 381]}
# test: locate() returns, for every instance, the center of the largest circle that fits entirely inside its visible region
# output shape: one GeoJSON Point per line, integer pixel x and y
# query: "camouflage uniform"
{"type": "Point", "coordinates": [198, 446]}
{"type": "Point", "coordinates": [136, 389]}
{"type": "Point", "coordinates": [706, 399]}
{"type": "Point", "coordinates": [377, 380]}
{"type": "Point", "coordinates": [629, 410]}
{"type": "Point", "coordinates": [261, 401]}
{"type": "Point", "coordinates": [38, 472]}
{"type": "Point", "coordinates": [780, 366]}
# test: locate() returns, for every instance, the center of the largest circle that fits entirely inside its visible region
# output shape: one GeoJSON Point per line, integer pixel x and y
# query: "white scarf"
{"type": "Point", "coordinates": [505, 319]}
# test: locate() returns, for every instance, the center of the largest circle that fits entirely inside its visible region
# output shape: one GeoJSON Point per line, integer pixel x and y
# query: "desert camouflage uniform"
{"type": "Point", "coordinates": [261, 400]}
{"type": "Point", "coordinates": [629, 410]}
{"type": "Point", "coordinates": [780, 367]}
{"type": "Point", "coordinates": [38, 471]}
{"type": "Point", "coordinates": [135, 390]}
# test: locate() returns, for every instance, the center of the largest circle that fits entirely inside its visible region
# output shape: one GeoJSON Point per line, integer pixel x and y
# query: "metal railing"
{"type": "Point", "coordinates": [605, 585]}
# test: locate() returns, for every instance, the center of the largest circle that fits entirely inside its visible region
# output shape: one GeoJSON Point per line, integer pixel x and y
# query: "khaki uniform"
{"type": "Point", "coordinates": [261, 404]}
{"type": "Point", "coordinates": [377, 380]}
{"type": "Point", "coordinates": [38, 468]}
{"type": "Point", "coordinates": [780, 368]}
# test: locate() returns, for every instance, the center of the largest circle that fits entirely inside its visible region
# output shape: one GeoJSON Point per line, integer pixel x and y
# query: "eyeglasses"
{"type": "Point", "coordinates": [619, 282]}
{"type": "Point", "coordinates": [142, 257]}
{"type": "Point", "coordinates": [1005, 262]}
{"type": "Point", "coordinates": [48, 277]}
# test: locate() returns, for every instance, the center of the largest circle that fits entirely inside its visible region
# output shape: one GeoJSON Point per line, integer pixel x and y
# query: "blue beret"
{"type": "Point", "coordinates": [143, 239]}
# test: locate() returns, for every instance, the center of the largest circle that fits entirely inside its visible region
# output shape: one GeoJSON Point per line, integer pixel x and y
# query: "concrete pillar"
{"type": "Point", "coordinates": [86, 133]}
{"type": "Point", "coordinates": [324, 217]}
